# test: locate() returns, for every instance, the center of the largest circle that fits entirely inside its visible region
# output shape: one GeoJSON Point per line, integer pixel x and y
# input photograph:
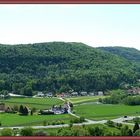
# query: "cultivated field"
{"type": "Point", "coordinates": [105, 111]}
{"type": "Point", "coordinates": [84, 99]}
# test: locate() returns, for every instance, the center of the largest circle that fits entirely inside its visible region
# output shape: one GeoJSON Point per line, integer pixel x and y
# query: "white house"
{"type": "Point", "coordinates": [83, 93]}
{"type": "Point", "coordinates": [40, 94]}
{"type": "Point", "coordinates": [49, 94]}
{"type": "Point", "coordinates": [100, 93]}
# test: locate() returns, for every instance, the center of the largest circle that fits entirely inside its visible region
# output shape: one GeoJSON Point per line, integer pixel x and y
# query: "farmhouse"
{"type": "Point", "coordinates": [56, 109]}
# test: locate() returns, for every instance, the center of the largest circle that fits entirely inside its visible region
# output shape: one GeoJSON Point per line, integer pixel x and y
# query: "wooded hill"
{"type": "Point", "coordinates": [131, 54]}
{"type": "Point", "coordinates": [60, 67]}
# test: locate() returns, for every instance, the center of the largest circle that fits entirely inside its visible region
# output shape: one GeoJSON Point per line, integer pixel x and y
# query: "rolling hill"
{"type": "Point", "coordinates": [60, 67]}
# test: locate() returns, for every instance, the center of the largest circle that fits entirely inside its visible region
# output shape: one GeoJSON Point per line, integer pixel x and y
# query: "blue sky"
{"type": "Point", "coordinates": [95, 25]}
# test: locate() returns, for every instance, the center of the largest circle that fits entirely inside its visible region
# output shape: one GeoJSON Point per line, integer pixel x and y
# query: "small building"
{"type": "Point", "coordinates": [83, 93]}
{"type": "Point", "coordinates": [100, 93]}
{"type": "Point", "coordinates": [40, 94]}
{"type": "Point", "coordinates": [49, 94]}
{"type": "Point", "coordinates": [74, 93]}
{"type": "Point", "coordinates": [134, 91]}
{"type": "Point", "coordinates": [2, 96]}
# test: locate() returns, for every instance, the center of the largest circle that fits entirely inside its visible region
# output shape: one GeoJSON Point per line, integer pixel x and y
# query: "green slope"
{"type": "Point", "coordinates": [60, 66]}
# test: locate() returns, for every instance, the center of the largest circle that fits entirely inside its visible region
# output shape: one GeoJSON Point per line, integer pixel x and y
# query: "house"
{"type": "Point", "coordinates": [66, 95]}
{"type": "Point", "coordinates": [40, 94]}
{"type": "Point", "coordinates": [49, 94]}
{"type": "Point", "coordinates": [83, 93]}
{"type": "Point", "coordinates": [2, 96]}
{"type": "Point", "coordinates": [2, 107]}
{"type": "Point", "coordinates": [100, 93]}
{"type": "Point", "coordinates": [134, 91]}
{"type": "Point", "coordinates": [56, 109]}
{"type": "Point", "coordinates": [91, 93]}
{"type": "Point", "coordinates": [60, 95]}
{"type": "Point", "coordinates": [74, 93]}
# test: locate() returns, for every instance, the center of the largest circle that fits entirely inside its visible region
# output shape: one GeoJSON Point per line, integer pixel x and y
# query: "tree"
{"type": "Point", "coordinates": [26, 132]}
{"type": "Point", "coordinates": [21, 109]}
{"type": "Point", "coordinates": [15, 107]}
{"type": "Point", "coordinates": [137, 133]}
{"type": "Point", "coordinates": [25, 111]}
{"type": "Point", "coordinates": [31, 112]}
{"type": "Point", "coordinates": [96, 131]}
{"type": "Point", "coordinates": [136, 127]}
{"type": "Point", "coordinates": [125, 131]}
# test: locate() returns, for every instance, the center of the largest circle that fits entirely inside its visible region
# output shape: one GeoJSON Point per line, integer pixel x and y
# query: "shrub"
{"type": "Point", "coordinates": [26, 132]}
{"type": "Point", "coordinates": [40, 133]}
{"type": "Point", "coordinates": [6, 132]}
{"type": "Point", "coordinates": [110, 123]}
{"type": "Point", "coordinates": [44, 123]}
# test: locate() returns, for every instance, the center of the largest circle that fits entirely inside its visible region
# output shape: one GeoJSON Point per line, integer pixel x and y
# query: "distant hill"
{"type": "Point", "coordinates": [60, 67]}
{"type": "Point", "coordinates": [131, 54]}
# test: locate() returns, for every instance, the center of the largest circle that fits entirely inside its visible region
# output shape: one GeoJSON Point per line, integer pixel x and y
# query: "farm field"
{"type": "Point", "coordinates": [105, 111]}
{"type": "Point", "coordinates": [84, 99]}
{"type": "Point", "coordinates": [38, 103]}
{"type": "Point", "coordinates": [17, 120]}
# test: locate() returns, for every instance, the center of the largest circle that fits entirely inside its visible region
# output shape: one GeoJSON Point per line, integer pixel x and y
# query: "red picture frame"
{"type": "Point", "coordinates": [70, 2]}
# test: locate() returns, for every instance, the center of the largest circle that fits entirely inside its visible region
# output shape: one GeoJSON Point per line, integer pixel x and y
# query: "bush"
{"type": "Point", "coordinates": [26, 132]}
{"type": "Point", "coordinates": [44, 123]}
{"type": "Point", "coordinates": [42, 112]}
{"type": "Point", "coordinates": [82, 119]}
{"type": "Point", "coordinates": [6, 132]}
{"type": "Point", "coordinates": [53, 123]}
{"type": "Point", "coordinates": [40, 133]}
{"type": "Point", "coordinates": [110, 123]}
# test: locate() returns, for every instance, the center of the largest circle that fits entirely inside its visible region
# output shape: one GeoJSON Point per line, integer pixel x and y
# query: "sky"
{"type": "Point", "coordinates": [93, 24]}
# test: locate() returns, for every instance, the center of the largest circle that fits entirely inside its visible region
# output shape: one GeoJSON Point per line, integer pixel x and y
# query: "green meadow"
{"type": "Point", "coordinates": [38, 103]}
{"type": "Point", "coordinates": [105, 111]}
{"type": "Point", "coordinates": [8, 119]}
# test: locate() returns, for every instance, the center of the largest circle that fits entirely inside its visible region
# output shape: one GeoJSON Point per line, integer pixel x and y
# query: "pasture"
{"type": "Point", "coordinates": [8, 119]}
{"type": "Point", "coordinates": [38, 103]}
{"type": "Point", "coordinates": [105, 111]}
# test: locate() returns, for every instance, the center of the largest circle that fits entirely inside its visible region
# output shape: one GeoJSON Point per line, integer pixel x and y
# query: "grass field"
{"type": "Point", "coordinates": [8, 119]}
{"type": "Point", "coordinates": [17, 120]}
{"type": "Point", "coordinates": [105, 111]}
{"type": "Point", "coordinates": [39, 103]}
{"type": "Point", "coordinates": [83, 99]}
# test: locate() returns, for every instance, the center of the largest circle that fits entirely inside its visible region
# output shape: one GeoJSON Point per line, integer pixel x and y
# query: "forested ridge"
{"type": "Point", "coordinates": [60, 67]}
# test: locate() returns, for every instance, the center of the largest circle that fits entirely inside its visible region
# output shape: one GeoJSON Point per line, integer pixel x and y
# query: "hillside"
{"type": "Point", "coordinates": [131, 54]}
{"type": "Point", "coordinates": [59, 67]}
